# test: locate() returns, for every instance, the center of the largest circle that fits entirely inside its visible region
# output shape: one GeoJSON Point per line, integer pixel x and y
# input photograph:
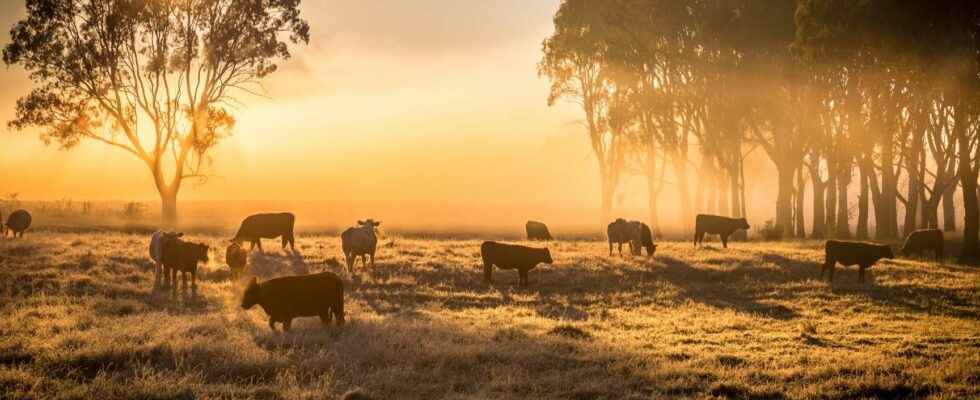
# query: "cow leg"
{"type": "Point", "coordinates": [372, 259]}
{"type": "Point", "coordinates": [326, 318]}
{"type": "Point", "coordinates": [272, 324]}
{"type": "Point", "coordinates": [487, 272]}
{"type": "Point", "coordinates": [258, 242]}
{"type": "Point", "coordinates": [724, 241]}
{"type": "Point", "coordinates": [698, 238]}
{"type": "Point", "coordinates": [610, 248]}
{"type": "Point", "coordinates": [861, 273]}
{"type": "Point", "coordinates": [287, 324]}
{"type": "Point", "coordinates": [173, 280]}
{"type": "Point", "coordinates": [939, 253]}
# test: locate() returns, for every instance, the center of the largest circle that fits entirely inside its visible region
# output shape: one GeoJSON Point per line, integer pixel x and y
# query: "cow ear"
{"type": "Point", "coordinates": [377, 223]}
{"type": "Point", "coordinates": [359, 222]}
{"type": "Point", "coordinates": [254, 281]}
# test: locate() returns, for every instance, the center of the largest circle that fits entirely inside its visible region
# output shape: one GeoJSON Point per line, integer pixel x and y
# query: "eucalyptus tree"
{"type": "Point", "coordinates": [152, 78]}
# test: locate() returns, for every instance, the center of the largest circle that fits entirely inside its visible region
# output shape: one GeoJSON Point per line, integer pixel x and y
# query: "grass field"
{"type": "Point", "coordinates": [80, 318]}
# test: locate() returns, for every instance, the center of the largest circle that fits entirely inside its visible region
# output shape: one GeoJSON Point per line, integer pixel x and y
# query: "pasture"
{"type": "Point", "coordinates": [80, 318]}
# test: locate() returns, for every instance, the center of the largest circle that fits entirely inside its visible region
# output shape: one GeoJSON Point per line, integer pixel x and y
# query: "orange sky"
{"type": "Point", "coordinates": [425, 102]}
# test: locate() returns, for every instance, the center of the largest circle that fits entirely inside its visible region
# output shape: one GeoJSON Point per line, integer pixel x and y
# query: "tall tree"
{"type": "Point", "coordinates": [152, 78]}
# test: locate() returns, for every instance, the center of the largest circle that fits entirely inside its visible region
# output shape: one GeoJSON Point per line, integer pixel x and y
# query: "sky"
{"type": "Point", "coordinates": [424, 107]}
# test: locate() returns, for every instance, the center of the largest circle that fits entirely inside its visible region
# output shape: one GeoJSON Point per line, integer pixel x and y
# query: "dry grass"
{"type": "Point", "coordinates": [80, 319]}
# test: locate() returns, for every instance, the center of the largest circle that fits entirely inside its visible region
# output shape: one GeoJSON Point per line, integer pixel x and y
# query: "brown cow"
{"type": "Point", "coordinates": [510, 256]}
{"type": "Point", "coordinates": [862, 254]}
{"type": "Point", "coordinates": [922, 240]}
{"type": "Point", "coordinates": [282, 299]}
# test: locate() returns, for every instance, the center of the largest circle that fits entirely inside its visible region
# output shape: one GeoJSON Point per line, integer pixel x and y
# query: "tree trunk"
{"type": "Point", "coordinates": [784, 200]}
{"type": "Point", "coordinates": [607, 200]}
{"type": "Point", "coordinates": [949, 209]}
{"type": "Point", "coordinates": [888, 206]}
{"type": "Point", "coordinates": [683, 192]}
{"type": "Point", "coordinates": [831, 215]}
{"type": "Point", "coordinates": [819, 222]}
{"type": "Point", "coordinates": [843, 229]}
{"type": "Point", "coordinates": [863, 200]}
{"type": "Point", "coordinates": [968, 182]}
{"type": "Point", "coordinates": [653, 191]}
{"type": "Point", "coordinates": [722, 193]}
{"type": "Point", "coordinates": [168, 210]}
{"type": "Point", "coordinates": [800, 222]}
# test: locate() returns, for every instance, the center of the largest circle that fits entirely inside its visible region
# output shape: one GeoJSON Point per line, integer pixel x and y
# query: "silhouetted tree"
{"type": "Point", "coordinates": [152, 78]}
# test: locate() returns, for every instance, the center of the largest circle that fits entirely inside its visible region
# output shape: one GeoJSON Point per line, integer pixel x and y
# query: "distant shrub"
{"type": "Point", "coordinates": [771, 231]}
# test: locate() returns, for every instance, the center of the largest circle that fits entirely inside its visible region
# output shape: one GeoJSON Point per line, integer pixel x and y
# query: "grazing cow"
{"type": "Point", "coordinates": [267, 226]}
{"type": "Point", "coordinates": [282, 299]}
{"type": "Point", "coordinates": [635, 233]}
{"type": "Point", "coordinates": [717, 225]}
{"type": "Point", "coordinates": [157, 241]}
{"type": "Point", "coordinates": [237, 258]}
{"type": "Point", "coordinates": [18, 222]}
{"type": "Point", "coordinates": [360, 242]}
{"type": "Point", "coordinates": [862, 254]}
{"type": "Point", "coordinates": [537, 231]}
{"type": "Point", "coordinates": [642, 238]}
{"type": "Point", "coordinates": [183, 257]}
{"type": "Point", "coordinates": [922, 240]}
{"type": "Point", "coordinates": [509, 256]}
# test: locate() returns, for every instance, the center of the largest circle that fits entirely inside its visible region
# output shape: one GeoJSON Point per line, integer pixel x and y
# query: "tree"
{"type": "Point", "coordinates": [153, 78]}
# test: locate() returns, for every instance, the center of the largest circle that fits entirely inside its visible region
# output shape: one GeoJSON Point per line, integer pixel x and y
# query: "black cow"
{"type": "Point", "coordinates": [862, 254]}
{"type": "Point", "coordinates": [537, 231]}
{"type": "Point", "coordinates": [18, 222]}
{"type": "Point", "coordinates": [510, 256]}
{"type": "Point", "coordinates": [183, 257]}
{"type": "Point", "coordinates": [282, 299]}
{"type": "Point", "coordinates": [237, 258]}
{"type": "Point", "coordinates": [267, 226]}
{"type": "Point", "coordinates": [922, 240]}
{"type": "Point", "coordinates": [635, 233]}
{"type": "Point", "coordinates": [157, 241]}
{"type": "Point", "coordinates": [360, 242]}
{"type": "Point", "coordinates": [717, 225]}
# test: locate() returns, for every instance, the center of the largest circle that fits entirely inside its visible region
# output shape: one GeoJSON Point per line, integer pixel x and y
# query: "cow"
{"type": "Point", "coordinates": [237, 258]}
{"type": "Point", "coordinates": [635, 233]}
{"type": "Point", "coordinates": [509, 256]}
{"type": "Point", "coordinates": [182, 257]}
{"type": "Point", "coordinates": [537, 231]}
{"type": "Point", "coordinates": [157, 239]}
{"type": "Point", "coordinates": [18, 222]}
{"type": "Point", "coordinates": [282, 299]}
{"type": "Point", "coordinates": [862, 254]}
{"type": "Point", "coordinates": [267, 226]}
{"type": "Point", "coordinates": [642, 238]}
{"type": "Point", "coordinates": [717, 225]}
{"type": "Point", "coordinates": [361, 241]}
{"type": "Point", "coordinates": [922, 240]}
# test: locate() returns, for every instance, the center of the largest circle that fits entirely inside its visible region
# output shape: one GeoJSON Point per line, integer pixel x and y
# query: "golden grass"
{"type": "Point", "coordinates": [80, 319]}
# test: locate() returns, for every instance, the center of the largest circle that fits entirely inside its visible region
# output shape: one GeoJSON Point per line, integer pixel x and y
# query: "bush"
{"type": "Point", "coordinates": [771, 231]}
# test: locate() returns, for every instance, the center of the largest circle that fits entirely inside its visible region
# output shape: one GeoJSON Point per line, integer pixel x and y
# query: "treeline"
{"type": "Point", "coordinates": [878, 97]}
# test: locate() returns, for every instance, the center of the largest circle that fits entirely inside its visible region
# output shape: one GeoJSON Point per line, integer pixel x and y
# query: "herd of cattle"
{"type": "Point", "coordinates": [322, 295]}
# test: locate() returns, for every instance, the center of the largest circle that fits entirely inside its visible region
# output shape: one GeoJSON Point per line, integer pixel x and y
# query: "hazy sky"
{"type": "Point", "coordinates": [423, 102]}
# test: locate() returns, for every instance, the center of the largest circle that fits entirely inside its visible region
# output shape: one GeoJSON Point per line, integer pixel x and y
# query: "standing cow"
{"type": "Point", "coordinates": [157, 241]}
{"type": "Point", "coordinates": [183, 257]}
{"type": "Point", "coordinates": [361, 241]}
{"type": "Point", "coordinates": [237, 258]}
{"type": "Point", "coordinates": [283, 299]}
{"type": "Point", "coordinates": [537, 231]}
{"type": "Point", "coordinates": [267, 226]}
{"type": "Point", "coordinates": [717, 225]}
{"type": "Point", "coordinates": [924, 240]}
{"type": "Point", "coordinates": [509, 256]}
{"type": "Point", "coordinates": [18, 222]}
{"type": "Point", "coordinates": [862, 254]}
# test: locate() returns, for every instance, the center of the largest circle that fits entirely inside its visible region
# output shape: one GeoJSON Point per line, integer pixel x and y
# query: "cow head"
{"type": "Point", "coordinates": [743, 223]}
{"type": "Point", "coordinates": [199, 251]}
{"type": "Point", "coordinates": [546, 256]}
{"type": "Point", "coordinates": [370, 225]}
{"type": "Point", "coordinates": [886, 251]}
{"type": "Point", "coordinates": [252, 295]}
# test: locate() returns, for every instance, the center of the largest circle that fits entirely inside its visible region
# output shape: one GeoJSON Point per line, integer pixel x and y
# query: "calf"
{"type": "Point", "coordinates": [183, 257]}
{"type": "Point", "coordinates": [717, 225]}
{"type": "Point", "coordinates": [360, 242]}
{"type": "Point", "coordinates": [282, 299]}
{"type": "Point", "coordinates": [862, 254]}
{"type": "Point", "coordinates": [237, 258]}
{"type": "Point", "coordinates": [157, 241]}
{"type": "Point", "coordinates": [509, 256]}
{"type": "Point", "coordinates": [267, 226]}
{"type": "Point", "coordinates": [537, 231]}
{"type": "Point", "coordinates": [922, 240]}
{"type": "Point", "coordinates": [18, 222]}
